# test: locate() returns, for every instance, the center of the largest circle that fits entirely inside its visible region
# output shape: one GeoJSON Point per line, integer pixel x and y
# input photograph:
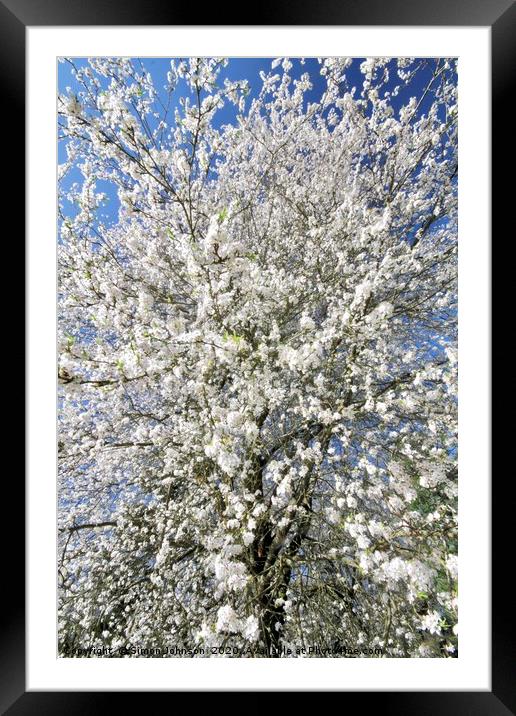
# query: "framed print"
{"type": "Point", "coordinates": [259, 404]}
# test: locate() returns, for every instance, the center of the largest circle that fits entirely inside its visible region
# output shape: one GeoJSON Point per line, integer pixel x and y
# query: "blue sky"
{"type": "Point", "coordinates": [237, 68]}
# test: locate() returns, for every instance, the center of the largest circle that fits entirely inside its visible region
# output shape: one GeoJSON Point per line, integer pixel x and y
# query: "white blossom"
{"type": "Point", "coordinates": [227, 620]}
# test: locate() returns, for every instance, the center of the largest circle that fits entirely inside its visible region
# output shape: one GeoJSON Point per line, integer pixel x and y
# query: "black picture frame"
{"type": "Point", "coordinates": [500, 15]}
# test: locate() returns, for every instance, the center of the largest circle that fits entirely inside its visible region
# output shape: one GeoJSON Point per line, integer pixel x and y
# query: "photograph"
{"type": "Point", "coordinates": [257, 298]}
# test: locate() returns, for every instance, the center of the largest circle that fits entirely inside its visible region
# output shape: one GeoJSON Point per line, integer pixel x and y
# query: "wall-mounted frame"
{"type": "Point", "coordinates": [16, 18]}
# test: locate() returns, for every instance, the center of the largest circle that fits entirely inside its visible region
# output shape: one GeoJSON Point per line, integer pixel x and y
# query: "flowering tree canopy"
{"type": "Point", "coordinates": [257, 417]}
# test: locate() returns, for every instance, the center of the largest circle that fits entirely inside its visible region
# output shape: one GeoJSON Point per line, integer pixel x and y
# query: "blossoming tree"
{"type": "Point", "coordinates": [257, 441]}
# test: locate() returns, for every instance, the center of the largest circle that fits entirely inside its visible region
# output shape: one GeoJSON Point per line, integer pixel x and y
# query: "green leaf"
{"type": "Point", "coordinates": [222, 215]}
{"type": "Point", "coordinates": [233, 337]}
